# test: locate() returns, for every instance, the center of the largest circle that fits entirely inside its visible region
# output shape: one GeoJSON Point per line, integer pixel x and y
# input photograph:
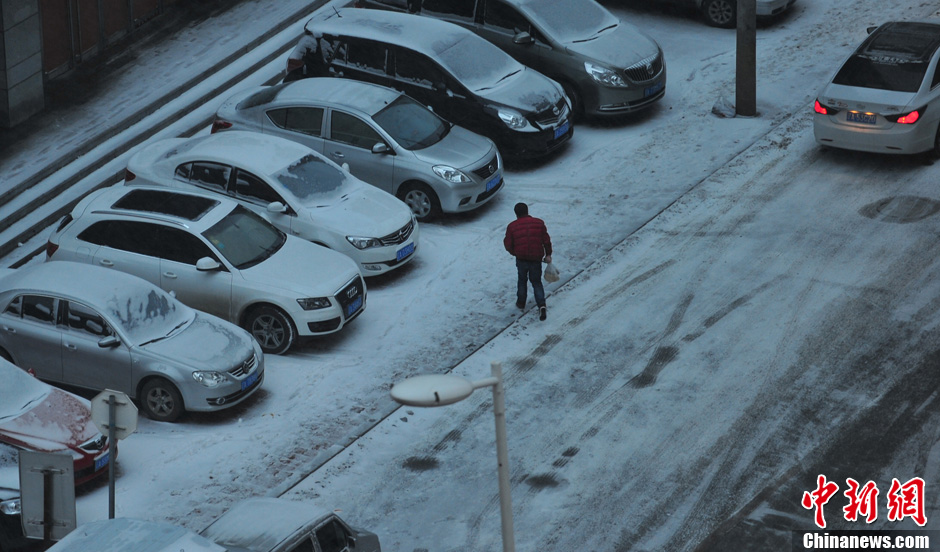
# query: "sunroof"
{"type": "Point", "coordinates": [184, 206]}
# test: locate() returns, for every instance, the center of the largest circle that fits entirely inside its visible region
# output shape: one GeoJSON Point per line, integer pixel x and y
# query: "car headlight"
{"type": "Point", "coordinates": [11, 507]}
{"type": "Point", "coordinates": [513, 119]}
{"type": "Point", "coordinates": [209, 378]}
{"type": "Point", "coordinates": [314, 303]}
{"type": "Point", "coordinates": [603, 75]}
{"type": "Point", "coordinates": [360, 243]}
{"type": "Point", "coordinates": [450, 174]}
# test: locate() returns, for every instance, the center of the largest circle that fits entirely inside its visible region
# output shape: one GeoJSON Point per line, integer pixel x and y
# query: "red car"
{"type": "Point", "coordinates": [38, 417]}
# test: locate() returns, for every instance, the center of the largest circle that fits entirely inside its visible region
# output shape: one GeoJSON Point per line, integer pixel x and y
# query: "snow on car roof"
{"type": "Point", "coordinates": [252, 151]}
{"type": "Point", "coordinates": [366, 97]}
{"type": "Point", "coordinates": [259, 524]}
{"type": "Point", "coordinates": [913, 40]}
{"type": "Point", "coordinates": [422, 34]}
{"type": "Point", "coordinates": [121, 534]}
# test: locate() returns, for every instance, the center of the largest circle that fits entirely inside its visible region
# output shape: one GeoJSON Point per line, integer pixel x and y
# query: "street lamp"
{"type": "Point", "coordinates": [444, 389]}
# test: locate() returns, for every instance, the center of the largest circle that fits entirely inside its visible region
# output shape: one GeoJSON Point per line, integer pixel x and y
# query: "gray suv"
{"type": "Point", "coordinates": [606, 66]}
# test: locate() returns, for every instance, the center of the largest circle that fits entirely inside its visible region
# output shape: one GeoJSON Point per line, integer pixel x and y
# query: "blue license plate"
{"type": "Point", "coordinates": [102, 462]}
{"type": "Point", "coordinates": [494, 181]}
{"type": "Point", "coordinates": [354, 306]}
{"type": "Point", "coordinates": [859, 117]}
{"type": "Point", "coordinates": [560, 131]}
{"type": "Point", "coordinates": [650, 90]}
{"type": "Point", "coordinates": [404, 252]}
{"type": "Point", "coordinates": [249, 381]}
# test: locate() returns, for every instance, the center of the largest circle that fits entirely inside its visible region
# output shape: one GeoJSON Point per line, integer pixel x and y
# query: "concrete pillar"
{"type": "Point", "coordinates": [21, 81]}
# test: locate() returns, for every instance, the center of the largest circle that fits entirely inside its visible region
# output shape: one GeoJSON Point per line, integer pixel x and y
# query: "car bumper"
{"type": "Point", "coordinates": [458, 198]}
{"type": "Point", "coordinates": [534, 144]}
{"type": "Point", "coordinates": [895, 138]}
{"type": "Point", "coordinates": [206, 399]}
{"type": "Point", "coordinates": [379, 260]}
{"type": "Point", "coordinates": [349, 302]}
{"type": "Point", "coordinates": [608, 101]}
{"type": "Point", "coordinates": [768, 8]}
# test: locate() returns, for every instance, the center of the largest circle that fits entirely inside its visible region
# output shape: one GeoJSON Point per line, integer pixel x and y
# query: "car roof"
{"type": "Point", "coordinates": [362, 96]}
{"type": "Point", "coordinates": [158, 203]}
{"type": "Point", "coordinates": [908, 39]}
{"type": "Point", "coordinates": [258, 153]}
{"type": "Point", "coordinates": [122, 534]}
{"type": "Point", "coordinates": [86, 283]}
{"type": "Point", "coordinates": [259, 524]}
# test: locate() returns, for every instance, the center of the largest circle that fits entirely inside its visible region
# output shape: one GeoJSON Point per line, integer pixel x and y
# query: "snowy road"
{"type": "Point", "coordinates": [739, 311]}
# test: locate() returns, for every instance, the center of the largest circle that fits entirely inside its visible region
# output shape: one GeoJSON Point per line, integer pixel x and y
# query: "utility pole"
{"type": "Point", "coordinates": [746, 60]}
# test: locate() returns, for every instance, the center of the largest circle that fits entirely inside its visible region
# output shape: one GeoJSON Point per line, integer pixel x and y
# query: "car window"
{"type": "Point", "coordinates": [305, 120]}
{"type": "Point", "coordinates": [332, 537]}
{"type": "Point", "coordinates": [244, 238]}
{"type": "Point", "coordinates": [214, 176]}
{"type": "Point", "coordinates": [85, 320]}
{"type": "Point", "coordinates": [411, 124]}
{"type": "Point", "coordinates": [15, 307]}
{"type": "Point", "coordinates": [251, 188]}
{"type": "Point", "coordinates": [180, 246]}
{"type": "Point", "coordinates": [460, 9]}
{"type": "Point", "coordinates": [504, 17]}
{"type": "Point", "coordinates": [352, 130]}
{"type": "Point", "coordinates": [417, 69]}
{"type": "Point", "coordinates": [305, 545]}
{"type": "Point", "coordinates": [936, 76]}
{"type": "Point", "coordinates": [367, 56]}
{"type": "Point", "coordinates": [126, 235]}
{"type": "Point", "coordinates": [39, 308]}
{"type": "Point", "coordinates": [313, 181]}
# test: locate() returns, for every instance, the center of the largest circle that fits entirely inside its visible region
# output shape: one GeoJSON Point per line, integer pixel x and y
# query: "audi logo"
{"type": "Point", "coordinates": [351, 292]}
{"type": "Point", "coordinates": [555, 110]}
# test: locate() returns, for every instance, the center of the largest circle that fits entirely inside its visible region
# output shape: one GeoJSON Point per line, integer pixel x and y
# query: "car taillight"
{"type": "Point", "coordinates": [219, 124]}
{"type": "Point", "coordinates": [824, 109]}
{"type": "Point", "coordinates": [906, 118]}
{"type": "Point", "coordinates": [128, 175]}
{"type": "Point", "coordinates": [51, 248]}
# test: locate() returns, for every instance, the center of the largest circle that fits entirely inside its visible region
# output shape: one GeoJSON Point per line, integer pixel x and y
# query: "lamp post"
{"type": "Point", "coordinates": [444, 389]}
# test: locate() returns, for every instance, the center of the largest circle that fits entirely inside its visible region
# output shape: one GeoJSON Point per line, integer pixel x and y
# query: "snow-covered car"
{"type": "Point", "coordinates": [388, 139]}
{"type": "Point", "coordinates": [281, 525]}
{"type": "Point", "coordinates": [462, 77]}
{"type": "Point", "coordinates": [295, 188]}
{"type": "Point", "coordinates": [724, 13]}
{"type": "Point", "coordinates": [216, 256]}
{"type": "Point", "coordinates": [38, 417]}
{"type": "Point", "coordinates": [885, 97]}
{"type": "Point", "coordinates": [137, 535]}
{"type": "Point", "coordinates": [606, 66]}
{"type": "Point", "coordinates": [91, 327]}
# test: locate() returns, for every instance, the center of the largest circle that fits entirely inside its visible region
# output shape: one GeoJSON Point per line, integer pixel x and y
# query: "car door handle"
{"type": "Point", "coordinates": [338, 154]}
{"type": "Point", "coordinates": [71, 347]}
{"type": "Point", "coordinates": [105, 262]}
{"type": "Point", "coordinates": [171, 275]}
{"type": "Point", "coordinates": [9, 329]}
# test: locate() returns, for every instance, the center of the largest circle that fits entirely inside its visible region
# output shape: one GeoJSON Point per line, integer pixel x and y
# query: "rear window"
{"type": "Point", "coordinates": [895, 57]}
{"type": "Point", "coordinates": [185, 206]}
{"type": "Point", "coordinates": [261, 97]}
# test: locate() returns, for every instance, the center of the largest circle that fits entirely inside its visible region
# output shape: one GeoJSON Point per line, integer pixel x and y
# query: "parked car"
{"type": "Point", "coordinates": [94, 328]}
{"type": "Point", "coordinates": [724, 13]}
{"type": "Point", "coordinates": [387, 138]}
{"type": "Point", "coordinates": [295, 188]}
{"type": "Point", "coordinates": [440, 65]}
{"type": "Point", "coordinates": [137, 535]}
{"type": "Point", "coordinates": [605, 66]}
{"type": "Point", "coordinates": [218, 257]}
{"type": "Point", "coordinates": [886, 96]}
{"type": "Point", "coordinates": [11, 524]}
{"type": "Point", "coordinates": [281, 525]}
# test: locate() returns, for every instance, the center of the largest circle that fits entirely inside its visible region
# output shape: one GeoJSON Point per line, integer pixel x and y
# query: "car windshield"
{"type": "Point", "coordinates": [244, 238]}
{"type": "Point", "coordinates": [892, 58]}
{"type": "Point", "coordinates": [411, 124]}
{"type": "Point", "coordinates": [570, 20]}
{"type": "Point", "coordinates": [313, 181]}
{"type": "Point", "coordinates": [476, 63]}
{"type": "Point", "coordinates": [19, 392]}
{"type": "Point", "coordinates": [147, 313]}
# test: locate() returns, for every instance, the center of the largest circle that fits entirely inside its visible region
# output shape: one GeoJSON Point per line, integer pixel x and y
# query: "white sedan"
{"type": "Point", "coordinates": [298, 190]}
{"type": "Point", "coordinates": [886, 96]}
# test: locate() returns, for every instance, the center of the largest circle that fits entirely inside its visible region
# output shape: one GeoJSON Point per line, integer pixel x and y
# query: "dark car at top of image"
{"type": "Point", "coordinates": [462, 77]}
{"type": "Point", "coordinates": [885, 98]}
{"type": "Point", "coordinates": [606, 66]}
{"type": "Point", "coordinates": [724, 13]}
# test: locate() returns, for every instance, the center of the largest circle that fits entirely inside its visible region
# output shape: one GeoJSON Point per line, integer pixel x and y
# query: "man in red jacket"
{"type": "Point", "coordinates": [527, 240]}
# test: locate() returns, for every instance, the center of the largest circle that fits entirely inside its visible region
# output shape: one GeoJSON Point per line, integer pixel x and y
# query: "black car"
{"type": "Point", "coordinates": [11, 528]}
{"type": "Point", "coordinates": [462, 77]}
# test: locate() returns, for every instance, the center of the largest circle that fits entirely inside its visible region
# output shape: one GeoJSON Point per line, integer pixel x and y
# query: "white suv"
{"type": "Point", "coordinates": [216, 256]}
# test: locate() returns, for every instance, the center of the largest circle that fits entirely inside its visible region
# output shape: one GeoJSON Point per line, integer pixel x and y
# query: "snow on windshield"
{"type": "Point", "coordinates": [313, 181]}
{"type": "Point", "coordinates": [477, 63]}
{"type": "Point", "coordinates": [147, 315]}
{"type": "Point", "coordinates": [569, 20]}
{"type": "Point", "coordinates": [19, 391]}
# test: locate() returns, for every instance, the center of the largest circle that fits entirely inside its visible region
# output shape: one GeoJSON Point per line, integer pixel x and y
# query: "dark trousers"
{"type": "Point", "coordinates": [531, 271]}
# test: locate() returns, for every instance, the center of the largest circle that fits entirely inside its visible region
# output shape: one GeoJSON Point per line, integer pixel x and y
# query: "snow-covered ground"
{"type": "Point", "coordinates": [739, 311]}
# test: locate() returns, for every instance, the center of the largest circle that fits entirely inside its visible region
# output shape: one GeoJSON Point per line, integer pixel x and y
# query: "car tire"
{"type": "Point", "coordinates": [421, 199]}
{"type": "Point", "coordinates": [577, 106]}
{"type": "Point", "coordinates": [272, 328]}
{"type": "Point", "coordinates": [720, 13]}
{"type": "Point", "coordinates": [161, 401]}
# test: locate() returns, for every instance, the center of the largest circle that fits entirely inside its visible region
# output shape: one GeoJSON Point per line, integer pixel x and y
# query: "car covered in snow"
{"type": "Point", "coordinates": [217, 256]}
{"type": "Point", "coordinates": [281, 525]}
{"type": "Point", "coordinates": [387, 139]}
{"type": "Point", "coordinates": [95, 328]}
{"type": "Point", "coordinates": [885, 98]}
{"type": "Point", "coordinates": [137, 535]}
{"type": "Point", "coordinates": [295, 188]}
{"type": "Point", "coordinates": [606, 66]}
{"type": "Point", "coordinates": [462, 77]}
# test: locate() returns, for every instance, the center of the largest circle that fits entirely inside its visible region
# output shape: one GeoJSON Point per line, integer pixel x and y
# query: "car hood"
{"type": "Point", "coordinates": [208, 343]}
{"type": "Point", "coordinates": [621, 47]}
{"type": "Point", "coordinates": [527, 91]}
{"type": "Point", "coordinates": [364, 211]}
{"type": "Point", "coordinates": [460, 148]}
{"type": "Point", "coordinates": [304, 269]}
{"type": "Point", "coordinates": [867, 99]}
{"type": "Point", "coordinates": [58, 422]}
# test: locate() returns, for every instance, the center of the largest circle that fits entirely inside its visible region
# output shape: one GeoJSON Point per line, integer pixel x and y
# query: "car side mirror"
{"type": "Point", "coordinates": [379, 147]}
{"type": "Point", "coordinates": [345, 167]}
{"type": "Point", "coordinates": [109, 342]}
{"type": "Point", "coordinates": [276, 207]}
{"type": "Point", "coordinates": [207, 264]}
{"type": "Point", "coordinates": [523, 37]}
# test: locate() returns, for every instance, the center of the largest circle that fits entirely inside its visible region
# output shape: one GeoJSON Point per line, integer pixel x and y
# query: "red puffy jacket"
{"type": "Point", "coordinates": [527, 239]}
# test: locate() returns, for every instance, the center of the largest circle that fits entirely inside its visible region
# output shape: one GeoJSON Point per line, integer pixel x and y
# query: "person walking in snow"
{"type": "Point", "coordinates": [528, 241]}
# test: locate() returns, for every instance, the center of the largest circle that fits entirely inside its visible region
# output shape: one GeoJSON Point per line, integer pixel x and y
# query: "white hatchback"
{"type": "Point", "coordinates": [886, 96]}
{"type": "Point", "coordinates": [215, 256]}
{"type": "Point", "coordinates": [295, 188]}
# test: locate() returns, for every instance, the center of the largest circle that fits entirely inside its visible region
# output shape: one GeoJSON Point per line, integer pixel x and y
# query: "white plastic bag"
{"type": "Point", "coordinates": [551, 273]}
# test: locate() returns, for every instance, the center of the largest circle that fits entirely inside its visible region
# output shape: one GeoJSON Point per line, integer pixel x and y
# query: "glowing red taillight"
{"type": "Point", "coordinates": [128, 175]}
{"type": "Point", "coordinates": [219, 124]}
{"type": "Point", "coordinates": [909, 118]}
{"type": "Point", "coordinates": [823, 109]}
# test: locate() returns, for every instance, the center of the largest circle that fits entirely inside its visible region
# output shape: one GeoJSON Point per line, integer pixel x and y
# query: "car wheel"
{"type": "Point", "coordinates": [421, 199]}
{"type": "Point", "coordinates": [272, 328]}
{"type": "Point", "coordinates": [720, 13]}
{"type": "Point", "coordinates": [577, 106]}
{"type": "Point", "coordinates": [161, 401]}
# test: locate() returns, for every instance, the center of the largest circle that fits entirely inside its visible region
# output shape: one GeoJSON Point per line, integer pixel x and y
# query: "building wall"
{"type": "Point", "coordinates": [21, 76]}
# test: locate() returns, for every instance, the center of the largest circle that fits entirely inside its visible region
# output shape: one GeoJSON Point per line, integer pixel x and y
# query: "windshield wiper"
{"type": "Point", "coordinates": [168, 334]}
{"type": "Point", "coordinates": [499, 81]}
{"type": "Point", "coordinates": [595, 35]}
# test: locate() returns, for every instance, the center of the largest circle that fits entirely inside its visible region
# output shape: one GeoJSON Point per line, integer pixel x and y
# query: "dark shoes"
{"type": "Point", "coordinates": [542, 313]}
{"type": "Point", "coordinates": [520, 306]}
